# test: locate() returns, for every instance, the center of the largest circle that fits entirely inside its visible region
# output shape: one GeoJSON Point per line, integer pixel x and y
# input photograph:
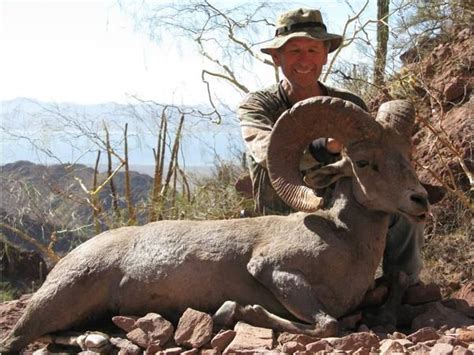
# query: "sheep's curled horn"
{"type": "Point", "coordinates": [323, 117]}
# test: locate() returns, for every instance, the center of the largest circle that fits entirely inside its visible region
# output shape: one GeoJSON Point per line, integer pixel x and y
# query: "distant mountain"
{"type": "Point", "coordinates": [38, 199]}
{"type": "Point", "coordinates": [45, 132]}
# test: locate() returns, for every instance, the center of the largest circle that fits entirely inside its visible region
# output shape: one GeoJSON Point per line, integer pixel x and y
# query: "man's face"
{"type": "Point", "coordinates": [301, 60]}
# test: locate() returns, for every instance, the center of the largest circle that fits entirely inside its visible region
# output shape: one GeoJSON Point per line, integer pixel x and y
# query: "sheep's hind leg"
{"type": "Point", "coordinates": [231, 312]}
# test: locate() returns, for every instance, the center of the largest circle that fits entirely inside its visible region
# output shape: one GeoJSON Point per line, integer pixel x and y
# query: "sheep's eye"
{"type": "Point", "coordinates": [362, 163]}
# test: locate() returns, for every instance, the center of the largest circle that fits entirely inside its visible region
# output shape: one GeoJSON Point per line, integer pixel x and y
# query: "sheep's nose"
{"type": "Point", "coordinates": [420, 200]}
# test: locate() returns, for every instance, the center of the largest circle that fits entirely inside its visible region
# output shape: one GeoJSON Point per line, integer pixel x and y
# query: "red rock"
{"type": "Point", "coordinates": [454, 89]}
{"type": "Point", "coordinates": [390, 346]}
{"type": "Point", "coordinates": [437, 315]}
{"type": "Point", "coordinates": [442, 349]}
{"type": "Point", "coordinates": [299, 338]}
{"type": "Point", "coordinates": [398, 335]}
{"type": "Point", "coordinates": [460, 350]}
{"type": "Point", "coordinates": [153, 349]}
{"type": "Point", "coordinates": [126, 346]}
{"type": "Point", "coordinates": [466, 335]}
{"type": "Point", "coordinates": [420, 349]}
{"type": "Point", "coordinates": [365, 340]}
{"type": "Point", "coordinates": [466, 293]}
{"type": "Point", "coordinates": [190, 352]}
{"type": "Point", "coordinates": [223, 339]}
{"type": "Point", "coordinates": [460, 305]}
{"type": "Point", "coordinates": [158, 329]}
{"type": "Point", "coordinates": [292, 347]}
{"type": "Point", "coordinates": [320, 345]}
{"type": "Point", "coordinates": [126, 323]}
{"type": "Point", "coordinates": [194, 329]}
{"type": "Point", "coordinates": [423, 334]}
{"type": "Point", "coordinates": [250, 338]}
{"type": "Point", "coordinates": [361, 351]}
{"type": "Point", "coordinates": [170, 351]}
{"type": "Point", "coordinates": [209, 352]}
{"type": "Point", "coordinates": [452, 340]}
{"type": "Point", "coordinates": [422, 293]}
{"type": "Point", "coordinates": [139, 337]}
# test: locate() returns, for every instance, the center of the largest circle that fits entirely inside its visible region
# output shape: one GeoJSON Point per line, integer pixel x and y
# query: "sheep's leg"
{"type": "Point", "coordinates": [295, 293]}
{"type": "Point", "coordinates": [231, 312]}
{"type": "Point", "coordinates": [387, 313]}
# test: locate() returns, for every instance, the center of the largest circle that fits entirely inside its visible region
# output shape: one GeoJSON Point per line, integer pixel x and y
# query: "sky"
{"type": "Point", "coordinates": [88, 51]}
{"type": "Point", "coordinates": [84, 52]}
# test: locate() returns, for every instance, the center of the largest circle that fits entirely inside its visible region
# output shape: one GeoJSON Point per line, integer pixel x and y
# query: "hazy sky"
{"type": "Point", "coordinates": [87, 52]}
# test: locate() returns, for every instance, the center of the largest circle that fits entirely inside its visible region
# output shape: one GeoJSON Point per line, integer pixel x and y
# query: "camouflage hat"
{"type": "Point", "coordinates": [301, 23]}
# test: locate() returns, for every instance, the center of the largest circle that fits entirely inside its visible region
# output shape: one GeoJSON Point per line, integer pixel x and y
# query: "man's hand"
{"type": "Point", "coordinates": [333, 146]}
{"type": "Point", "coordinates": [324, 150]}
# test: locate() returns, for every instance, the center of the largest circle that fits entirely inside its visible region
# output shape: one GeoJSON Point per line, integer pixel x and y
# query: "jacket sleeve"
{"type": "Point", "coordinates": [256, 121]}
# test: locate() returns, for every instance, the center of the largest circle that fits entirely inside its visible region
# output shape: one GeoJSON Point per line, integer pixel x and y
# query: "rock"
{"type": "Point", "coordinates": [452, 340]}
{"type": "Point", "coordinates": [223, 339]}
{"type": "Point", "coordinates": [460, 350]}
{"type": "Point", "coordinates": [125, 322]}
{"type": "Point", "coordinates": [423, 334]}
{"type": "Point", "coordinates": [320, 345]}
{"type": "Point", "coordinates": [466, 292]}
{"type": "Point", "coordinates": [152, 349]}
{"type": "Point", "coordinates": [158, 329]}
{"type": "Point", "coordinates": [442, 349]}
{"type": "Point", "coordinates": [94, 341]}
{"type": "Point", "coordinates": [459, 305]}
{"type": "Point", "coordinates": [454, 89]}
{"type": "Point", "coordinates": [362, 351]}
{"type": "Point", "coordinates": [170, 351]}
{"type": "Point", "coordinates": [437, 315]}
{"type": "Point", "coordinates": [250, 338]}
{"type": "Point", "coordinates": [139, 337]}
{"type": "Point", "coordinates": [292, 347]}
{"type": "Point", "coordinates": [126, 346]}
{"type": "Point", "coordinates": [419, 349]}
{"type": "Point", "coordinates": [465, 335]}
{"type": "Point", "coordinates": [464, 34]}
{"type": "Point", "coordinates": [209, 352]}
{"type": "Point", "coordinates": [190, 352]}
{"type": "Point", "coordinates": [390, 346]}
{"type": "Point", "coordinates": [422, 293]}
{"type": "Point", "coordinates": [365, 340]}
{"type": "Point", "coordinates": [194, 329]}
{"type": "Point", "coordinates": [397, 335]}
{"type": "Point", "coordinates": [299, 338]}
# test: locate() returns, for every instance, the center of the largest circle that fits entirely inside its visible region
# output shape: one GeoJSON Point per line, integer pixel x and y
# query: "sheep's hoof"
{"type": "Point", "coordinates": [328, 327]}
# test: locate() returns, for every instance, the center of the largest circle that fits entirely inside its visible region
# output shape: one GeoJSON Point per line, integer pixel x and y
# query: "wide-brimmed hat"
{"type": "Point", "coordinates": [301, 23]}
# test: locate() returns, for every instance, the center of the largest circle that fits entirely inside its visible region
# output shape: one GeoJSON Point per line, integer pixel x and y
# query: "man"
{"type": "Point", "coordinates": [300, 48]}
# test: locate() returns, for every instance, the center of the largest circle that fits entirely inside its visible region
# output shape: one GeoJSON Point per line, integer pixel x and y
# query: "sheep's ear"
{"type": "Point", "coordinates": [328, 174]}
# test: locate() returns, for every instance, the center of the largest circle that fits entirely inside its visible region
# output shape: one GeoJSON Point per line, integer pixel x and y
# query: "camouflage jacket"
{"type": "Point", "coordinates": [257, 113]}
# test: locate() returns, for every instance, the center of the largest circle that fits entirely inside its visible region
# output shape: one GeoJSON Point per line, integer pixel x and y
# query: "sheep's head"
{"type": "Point", "coordinates": [376, 155]}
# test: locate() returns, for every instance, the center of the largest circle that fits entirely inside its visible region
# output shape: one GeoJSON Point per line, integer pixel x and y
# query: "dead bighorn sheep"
{"type": "Point", "coordinates": [310, 267]}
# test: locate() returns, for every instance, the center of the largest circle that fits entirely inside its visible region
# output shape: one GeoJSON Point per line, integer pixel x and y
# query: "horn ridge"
{"type": "Point", "coordinates": [316, 117]}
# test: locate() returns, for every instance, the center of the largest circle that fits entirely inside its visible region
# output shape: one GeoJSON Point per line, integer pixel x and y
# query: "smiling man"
{"type": "Point", "coordinates": [300, 49]}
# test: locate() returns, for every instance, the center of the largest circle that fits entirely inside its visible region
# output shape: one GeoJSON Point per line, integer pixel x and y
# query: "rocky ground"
{"type": "Point", "coordinates": [427, 324]}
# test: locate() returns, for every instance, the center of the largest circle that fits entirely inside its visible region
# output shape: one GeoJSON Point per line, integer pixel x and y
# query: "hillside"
{"type": "Point", "coordinates": [39, 199]}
